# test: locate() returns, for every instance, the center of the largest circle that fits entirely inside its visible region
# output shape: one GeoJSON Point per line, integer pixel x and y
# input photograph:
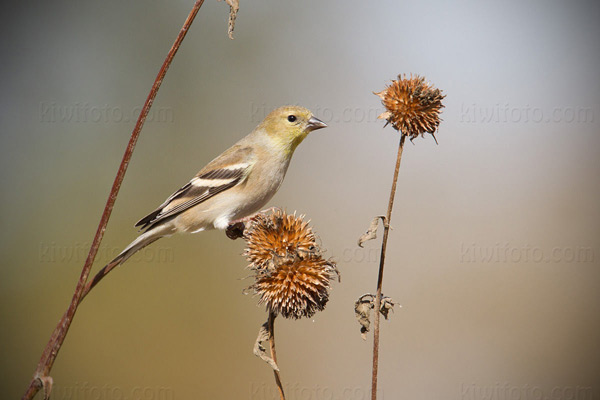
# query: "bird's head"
{"type": "Point", "coordinates": [289, 125]}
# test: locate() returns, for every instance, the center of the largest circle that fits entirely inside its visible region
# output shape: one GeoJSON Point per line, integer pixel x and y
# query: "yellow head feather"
{"type": "Point", "coordinates": [289, 125]}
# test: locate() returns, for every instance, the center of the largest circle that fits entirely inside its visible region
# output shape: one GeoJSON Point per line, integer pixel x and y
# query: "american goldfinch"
{"type": "Point", "coordinates": [235, 185]}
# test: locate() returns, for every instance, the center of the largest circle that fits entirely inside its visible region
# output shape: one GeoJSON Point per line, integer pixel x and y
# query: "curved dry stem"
{"type": "Point", "coordinates": [271, 323]}
{"type": "Point", "coordinates": [386, 230]}
{"type": "Point", "coordinates": [41, 374]}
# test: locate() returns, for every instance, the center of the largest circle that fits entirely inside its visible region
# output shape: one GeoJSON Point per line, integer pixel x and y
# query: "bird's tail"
{"type": "Point", "coordinates": [142, 241]}
{"type": "Point", "coordinates": [138, 244]}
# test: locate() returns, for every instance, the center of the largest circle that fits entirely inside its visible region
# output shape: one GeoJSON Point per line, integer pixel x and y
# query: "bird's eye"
{"type": "Point", "coordinates": [291, 118]}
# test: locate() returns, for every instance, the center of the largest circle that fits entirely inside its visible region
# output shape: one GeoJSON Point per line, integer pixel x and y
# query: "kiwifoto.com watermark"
{"type": "Point", "coordinates": [357, 255]}
{"type": "Point", "coordinates": [258, 112]}
{"type": "Point", "coordinates": [525, 114]}
{"type": "Point", "coordinates": [86, 391]}
{"type": "Point", "coordinates": [510, 253]}
{"type": "Point", "coordinates": [506, 391]}
{"type": "Point", "coordinates": [296, 391]}
{"type": "Point", "coordinates": [52, 112]}
{"type": "Point", "coordinates": [52, 252]}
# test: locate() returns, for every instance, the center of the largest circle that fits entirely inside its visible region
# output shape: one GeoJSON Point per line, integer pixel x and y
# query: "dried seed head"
{"type": "Point", "coordinates": [413, 106]}
{"type": "Point", "coordinates": [272, 237]}
{"type": "Point", "coordinates": [296, 288]}
{"type": "Point", "coordinates": [291, 277]}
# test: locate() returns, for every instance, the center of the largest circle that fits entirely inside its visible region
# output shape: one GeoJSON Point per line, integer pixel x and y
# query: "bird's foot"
{"type": "Point", "coordinates": [236, 228]}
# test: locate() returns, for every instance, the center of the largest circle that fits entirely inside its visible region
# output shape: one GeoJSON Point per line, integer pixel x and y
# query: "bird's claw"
{"type": "Point", "coordinates": [236, 228]}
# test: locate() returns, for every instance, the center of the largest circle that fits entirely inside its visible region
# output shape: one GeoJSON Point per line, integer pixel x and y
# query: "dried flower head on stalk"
{"type": "Point", "coordinates": [413, 106]}
{"type": "Point", "coordinates": [291, 276]}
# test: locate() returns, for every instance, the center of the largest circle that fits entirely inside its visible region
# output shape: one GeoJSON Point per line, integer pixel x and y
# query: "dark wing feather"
{"type": "Point", "coordinates": [222, 173]}
{"type": "Point", "coordinates": [148, 219]}
{"type": "Point", "coordinates": [196, 197]}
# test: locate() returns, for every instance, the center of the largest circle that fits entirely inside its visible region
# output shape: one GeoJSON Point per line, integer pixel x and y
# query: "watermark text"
{"type": "Point", "coordinates": [506, 391]}
{"type": "Point", "coordinates": [83, 113]}
{"type": "Point", "coordinates": [52, 252]}
{"type": "Point", "coordinates": [509, 253]}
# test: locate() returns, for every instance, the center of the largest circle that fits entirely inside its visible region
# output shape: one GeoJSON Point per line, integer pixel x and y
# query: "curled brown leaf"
{"type": "Point", "coordinates": [371, 233]}
{"type": "Point", "coordinates": [363, 307]}
{"type": "Point", "coordinates": [234, 6]}
{"type": "Point", "coordinates": [362, 312]}
{"type": "Point", "coordinates": [259, 349]}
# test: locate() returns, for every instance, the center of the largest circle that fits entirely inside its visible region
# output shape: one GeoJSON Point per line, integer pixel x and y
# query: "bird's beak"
{"type": "Point", "coordinates": [315, 123]}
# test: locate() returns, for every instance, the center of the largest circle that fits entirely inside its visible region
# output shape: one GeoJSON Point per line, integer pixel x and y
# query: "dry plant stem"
{"type": "Point", "coordinates": [386, 230]}
{"type": "Point", "coordinates": [273, 354]}
{"type": "Point", "coordinates": [60, 332]}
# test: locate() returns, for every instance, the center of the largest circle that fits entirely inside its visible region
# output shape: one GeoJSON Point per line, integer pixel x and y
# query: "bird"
{"type": "Point", "coordinates": [232, 187]}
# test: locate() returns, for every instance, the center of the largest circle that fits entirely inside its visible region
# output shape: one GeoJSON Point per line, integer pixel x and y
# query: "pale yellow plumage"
{"type": "Point", "coordinates": [235, 185]}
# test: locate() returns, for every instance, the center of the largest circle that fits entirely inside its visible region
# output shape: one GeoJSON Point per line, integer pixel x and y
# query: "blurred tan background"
{"type": "Point", "coordinates": [495, 251]}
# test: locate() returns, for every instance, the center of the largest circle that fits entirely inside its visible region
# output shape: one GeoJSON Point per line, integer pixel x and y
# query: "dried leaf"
{"type": "Point", "coordinates": [386, 305]}
{"type": "Point", "coordinates": [363, 307]}
{"type": "Point", "coordinates": [362, 311]}
{"type": "Point", "coordinates": [234, 6]}
{"type": "Point", "coordinates": [259, 349]}
{"type": "Point", "coordinates": [47, 383]}
{"type": "Point", "coordinates": [371, 233]}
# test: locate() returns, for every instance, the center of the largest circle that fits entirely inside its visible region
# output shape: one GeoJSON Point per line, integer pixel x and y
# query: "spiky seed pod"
{"type": "Point", "coordinates": [413, 106]}
{"type": "Point", "coordinates": [277, 236]}
{"type": "Point", "coordinates": [296, 288]}
{"type": "Point", "coordinates": [291, 277]}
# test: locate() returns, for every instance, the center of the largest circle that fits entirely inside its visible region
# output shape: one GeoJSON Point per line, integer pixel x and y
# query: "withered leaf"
{"type": "Point", "coordinates": [234, 6]}
{"type": "Point", "coordinates": [47, 383]}
{"type": "Point", "coordinates": [362, 311]}
{"type": "Point", "coordinates": [259, 349]}
{"type": "Point", "coordinates": [363, 307]}
{"type": "Point", "coordinates": [386, 305]}
{"type": "Point", "coordinates": [371, 233]}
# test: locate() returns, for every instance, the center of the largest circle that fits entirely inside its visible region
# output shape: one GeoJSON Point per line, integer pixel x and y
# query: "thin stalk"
{"type": "Point", "coordinates": [271, 323]}
{"type": "Point", "coordinates": [41, 376]}
{"type": "Point", "coordinates": [386, 230]}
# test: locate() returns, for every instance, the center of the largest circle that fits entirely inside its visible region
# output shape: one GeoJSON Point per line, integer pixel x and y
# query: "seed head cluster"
{"type": "Point", "coordinates": [412, 106]}
{"type": "Point", "coordinates": [291, 276]}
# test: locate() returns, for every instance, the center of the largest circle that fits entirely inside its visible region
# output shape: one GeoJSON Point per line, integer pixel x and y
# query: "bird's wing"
{"type": "Point", "coordinates": [226, 171]}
